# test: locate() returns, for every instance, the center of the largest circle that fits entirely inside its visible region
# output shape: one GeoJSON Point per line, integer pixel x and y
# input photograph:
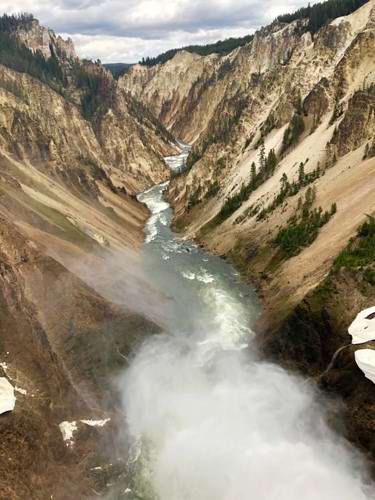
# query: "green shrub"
{"type": "Point", "coordinates": [288, 189]}
{"type": "Point", "coordinates": [361, 252]}
{"type": "Point", "coordinates": [267, 165]}
{"type": "Point", "coordinates": [97, 88]}
{"type": "Point", "coordinates": [301, 231]}
{"type": "Point", "coordinates": [213, 189]}
{"type": "Point", "coordinates": [18, 57]}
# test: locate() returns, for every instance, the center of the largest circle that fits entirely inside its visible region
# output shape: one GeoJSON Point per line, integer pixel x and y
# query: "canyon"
{"type": "Point", "coordinates": [309, 99]}
{"type": "Point", "coordinates": [282, 131]}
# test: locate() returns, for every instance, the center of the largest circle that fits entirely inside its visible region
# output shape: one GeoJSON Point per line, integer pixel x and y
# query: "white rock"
{"type": "Point", "coordinates": [365, 359]}
{"type": "Point", "coordinates": [7, 398]}
{"type": "Point", "coordinates": [67, 430]}
{"type": "Point", "coordinates": [96, 423]}
{"type": "Point", "coordinates": [20, 390]}
{"type": "Point", "coordinates": [4, 366]}
{"type": "Point", "coordinates": [363, 327]}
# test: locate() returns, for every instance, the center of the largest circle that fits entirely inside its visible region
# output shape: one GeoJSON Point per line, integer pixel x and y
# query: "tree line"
{"type": "Point", "coordinates": [96, 86]}
{"type": "Point", "coordinates": [118, 69]}
{"type": "Point", "coordinates": [20, 58]}
{"type": "Point", "coordinates": [267, 166]}
{"type": "Point", "coordinates": [303, 228]}
{"type": "Point", "coordinates": [221, 47]}
{"type": "Point", "coordinates": [322, 13]}
{"type": "Point", "coordinates": [9, 24]}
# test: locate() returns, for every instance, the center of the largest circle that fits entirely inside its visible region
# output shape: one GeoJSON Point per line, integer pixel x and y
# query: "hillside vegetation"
{"type": "Point", "coordinates": [221, 47]}
{"type": "Point", "coordinates": [321, 13]}
{"type": "Point", "coordinates": [17, 56]}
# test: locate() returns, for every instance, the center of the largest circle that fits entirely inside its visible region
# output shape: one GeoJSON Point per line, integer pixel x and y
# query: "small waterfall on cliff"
{"type": "Point", "coordinates": [208, 419]}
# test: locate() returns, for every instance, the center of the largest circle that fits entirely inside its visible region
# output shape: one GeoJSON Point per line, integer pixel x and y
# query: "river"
{"type": "Point", "coordinates": [207, 417]}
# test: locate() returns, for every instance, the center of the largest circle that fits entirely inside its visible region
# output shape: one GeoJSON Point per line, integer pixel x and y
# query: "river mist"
{"type": "Point", "coordinates": [207, 418]}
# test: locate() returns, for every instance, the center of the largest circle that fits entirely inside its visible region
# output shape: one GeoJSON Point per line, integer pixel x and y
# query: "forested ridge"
{"type": "Point", "coordinates": [318, 15]}
{"type": "Point", "coordinates": [17, 56]}
{"type": "Point", "coordinates": [9, 24]}
{"type": "Point", "coordinates": [93, 82]}
{"type": "Point", "coordinates": [221, 47]}
{"type": "Point", "coordinates": [322, 13]}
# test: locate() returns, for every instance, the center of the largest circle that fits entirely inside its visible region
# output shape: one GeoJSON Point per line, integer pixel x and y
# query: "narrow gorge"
{"type": "Point", "coordinates": [187, 265]}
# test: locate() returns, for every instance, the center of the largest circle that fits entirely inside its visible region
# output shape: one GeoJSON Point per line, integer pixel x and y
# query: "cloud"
{"type": "Point", "coordinates": [118, 30]}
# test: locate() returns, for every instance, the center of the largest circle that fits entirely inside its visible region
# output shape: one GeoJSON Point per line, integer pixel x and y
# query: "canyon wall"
{"type": "Point", "coordinates": [67, 209]}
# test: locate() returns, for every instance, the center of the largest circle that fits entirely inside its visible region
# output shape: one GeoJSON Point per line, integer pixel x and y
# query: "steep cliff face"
{"type": "Point", "coordinates": [55, 176]}
{"type": "Point", "coordinates": [67, 177]}
{"type": "Point", "coordinates": [172, 91]}
{"type": "Point", "coordinates": [312, 105]}
{"type": "Point", "coordinates": [190, 92]}
{"type": "Point", "coordinates": [67, 207]}
{"type": "Point", "coordinates": [44, 40]}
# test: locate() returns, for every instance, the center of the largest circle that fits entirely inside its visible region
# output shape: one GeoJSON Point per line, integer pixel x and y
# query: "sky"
{"type": "Point", "coordinates": [127, 30]}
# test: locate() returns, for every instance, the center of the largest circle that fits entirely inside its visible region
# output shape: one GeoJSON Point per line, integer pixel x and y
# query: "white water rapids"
{"type": "Point", "coordinates": [209, 420]}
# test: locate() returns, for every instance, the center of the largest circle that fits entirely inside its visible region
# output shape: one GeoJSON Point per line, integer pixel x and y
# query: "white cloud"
{"type": "Point", "coordinates": [118, 30]}
{"type": "Point", "coordinates": [120, 49]}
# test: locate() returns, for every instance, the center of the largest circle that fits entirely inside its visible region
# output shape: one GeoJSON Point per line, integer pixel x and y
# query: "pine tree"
{"type": "Point", "coordinates": [301, 173]}
{"type": "Point", "coordinates": [271, 162]}
{"type": "Point", "coordinates": [284, 181]}
{"type": "Point", "coordinates": [253, 174]}
{"type": "Point", "coordinates": [298, 104]}
{"type": "Point", "coordinates": [262, 157]}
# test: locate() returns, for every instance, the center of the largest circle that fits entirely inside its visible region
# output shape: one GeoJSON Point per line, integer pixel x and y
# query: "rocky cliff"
{"type": "Point", "coordinates": [68, 180]}
{"type": "Point", "coordinates": [44, 40]}
{"type": "Point", "coordinates": [60, 346]}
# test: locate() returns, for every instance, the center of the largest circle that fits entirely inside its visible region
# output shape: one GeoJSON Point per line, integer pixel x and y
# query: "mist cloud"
{"type": "Point", "coordinates": [234, 429]}
{"type": "Point", "coordinates": [206, 417]}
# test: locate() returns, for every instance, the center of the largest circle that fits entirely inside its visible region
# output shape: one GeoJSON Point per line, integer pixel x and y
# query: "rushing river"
{"type": "Point", "coordinates": [208, 419]}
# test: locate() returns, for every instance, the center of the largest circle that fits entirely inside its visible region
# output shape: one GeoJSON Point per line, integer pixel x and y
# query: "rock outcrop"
{"type": "Point", "coordinates": [44, 40]}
